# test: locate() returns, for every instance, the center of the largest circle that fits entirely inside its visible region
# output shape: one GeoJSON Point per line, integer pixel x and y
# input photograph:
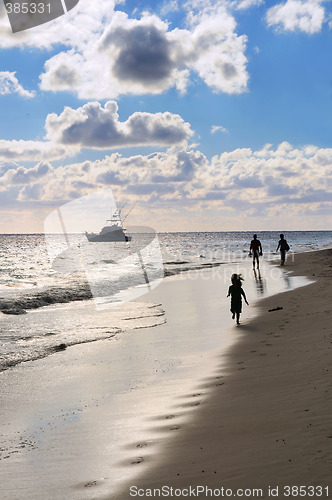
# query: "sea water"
{"type": "Point", "coordinates": [31, 280]}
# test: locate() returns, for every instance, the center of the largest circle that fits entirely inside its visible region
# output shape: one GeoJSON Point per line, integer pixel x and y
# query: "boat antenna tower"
{"type": "Point", "coordinates": [129, 210]}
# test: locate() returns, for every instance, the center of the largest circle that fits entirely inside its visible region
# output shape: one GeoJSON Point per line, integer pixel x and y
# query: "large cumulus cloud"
{"type": "Point", "coordinates": [94, 126]}
{"type": "Point", "coordinates": [138, 56]}
{"type": "Point", "coordinates": [97, 127]}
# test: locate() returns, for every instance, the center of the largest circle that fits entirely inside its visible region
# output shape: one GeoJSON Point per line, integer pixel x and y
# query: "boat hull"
{"type": "Point", "coordinates": [115, 235]}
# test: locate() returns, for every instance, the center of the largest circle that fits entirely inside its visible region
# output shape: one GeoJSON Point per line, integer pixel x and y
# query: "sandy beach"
{"type": "Point", "coordinates": [249, 409]}
{"type": "Point", "coordinates": [267, 422]}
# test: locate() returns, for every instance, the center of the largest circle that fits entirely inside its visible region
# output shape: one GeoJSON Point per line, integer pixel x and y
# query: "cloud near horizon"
{"type": "Point", "coordinates": [242, 182]}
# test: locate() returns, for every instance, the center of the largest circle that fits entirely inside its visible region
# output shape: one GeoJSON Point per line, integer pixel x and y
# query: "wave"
{"type": "Point", "coordinates": [41, 343]}
{"type": "Point", "coordinates": [21, 304]}
{"type": "Point", "coordinates": [25, 300]}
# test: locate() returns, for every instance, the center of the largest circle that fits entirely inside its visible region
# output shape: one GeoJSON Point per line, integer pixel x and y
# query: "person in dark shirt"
{"type": "Point", "coordinates": [255, 251]}
{"type": "Point", "coordinates": [284, 247]}
{"type": "Point", "coordinates": [236, 292]}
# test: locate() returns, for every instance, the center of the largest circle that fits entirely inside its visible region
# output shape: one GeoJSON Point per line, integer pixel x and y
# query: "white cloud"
{"type": "Point", "coordinates": [94, 126]}
{"type": "Point", "coordinates": [303, 15]}
{"type": "Point", "coordinates": [169, 6]}
{"type": "Point", "coordinates": [241, 181]}
{"type": "Point", "coordinates": [22, 175]}
{"type": "Point", "coordinates": [219, 128]}
{"type": "Point", "coordinates": [97, 127]}
{"type": "Point", "coordinates": [9, 84]}
{"type": "Point", "coordinates": [282, 175]}
{"type": "Point", "coordinates": [184, 190]}
{"type": "Point", "coordinates": [106, 54]}
{"type": "Point", "coordinates": [139, 56]}
{"type": "Point", "coordinates": [219, 51]}
{"type": "Point", "coordinates": [246, 4]}
{"type": "Point", "coordinates": [7, 165]}
{"type": "Point", "coordinates": [33, 150]}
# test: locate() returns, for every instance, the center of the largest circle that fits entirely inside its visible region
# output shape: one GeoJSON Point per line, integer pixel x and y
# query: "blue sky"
{"type": "Point", "coordinates": [212, 115]}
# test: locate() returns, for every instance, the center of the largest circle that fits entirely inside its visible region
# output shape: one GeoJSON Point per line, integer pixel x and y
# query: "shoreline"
{"type": "Point", "coordinates": [266, 422]}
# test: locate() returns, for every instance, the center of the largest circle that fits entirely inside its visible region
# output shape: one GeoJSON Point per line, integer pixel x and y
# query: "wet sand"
{"type": "Point", "coordinates": [267, 421]}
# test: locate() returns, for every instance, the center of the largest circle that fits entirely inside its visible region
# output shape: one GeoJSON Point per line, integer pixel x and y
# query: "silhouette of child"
{"type": "Point", "coordinates": [236, 292]}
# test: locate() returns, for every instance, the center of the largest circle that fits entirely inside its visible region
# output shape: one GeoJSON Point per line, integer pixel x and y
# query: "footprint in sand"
{"type": "Point", "coordinates": [90, 484]}
{"type": "Point", "coordinates": [196, 403]}
{"type": "Point", "coordinates": [141, 445]}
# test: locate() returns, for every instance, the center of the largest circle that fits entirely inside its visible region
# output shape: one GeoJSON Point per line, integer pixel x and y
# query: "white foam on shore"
{"type": "Point", "coordinates": [45, 331]}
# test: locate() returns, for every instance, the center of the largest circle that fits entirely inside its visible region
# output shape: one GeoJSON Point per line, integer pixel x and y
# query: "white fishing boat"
{"type": "Point", "coordinates": [112, 231]}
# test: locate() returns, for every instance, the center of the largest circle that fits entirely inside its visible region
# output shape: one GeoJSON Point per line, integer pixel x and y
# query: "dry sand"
{"type": "Point", "coordinates": [267, 421]}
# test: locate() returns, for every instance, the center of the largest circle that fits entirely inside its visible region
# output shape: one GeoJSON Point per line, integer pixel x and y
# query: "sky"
{"type": "Point", "coordinates": [207, 115]}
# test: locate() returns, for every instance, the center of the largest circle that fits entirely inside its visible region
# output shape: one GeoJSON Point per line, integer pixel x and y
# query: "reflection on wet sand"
{"type": "Point", "coordinates": [260, 282]}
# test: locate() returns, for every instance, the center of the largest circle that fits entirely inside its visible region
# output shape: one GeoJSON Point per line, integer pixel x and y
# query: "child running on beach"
{"type": "Point", "coordinates": [236, 292]}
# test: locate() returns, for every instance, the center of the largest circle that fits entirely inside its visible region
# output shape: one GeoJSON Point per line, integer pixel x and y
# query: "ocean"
{"type": "Point", "coordinates": [41, 277]}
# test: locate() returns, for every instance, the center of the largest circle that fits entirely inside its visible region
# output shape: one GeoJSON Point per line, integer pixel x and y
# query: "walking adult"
{"type": "Point", "coordinates": [284, 247]}
{"type": "Point", "coordinates": [255, 251]}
